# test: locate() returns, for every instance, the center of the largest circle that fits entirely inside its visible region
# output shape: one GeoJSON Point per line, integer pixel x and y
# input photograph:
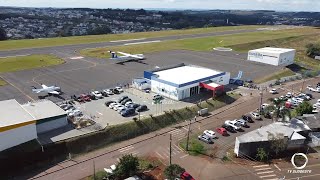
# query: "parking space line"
{"type": "Point", "coordinates": [265, 172]}
{"type": "Point", "coordinates": [271, 175]}
{"type": "Point", "coordinates": [173, 152]}
{"type": "Point", "coordinates": [178, 148]}
{"type": "Point", "coordinates": [185, 128]}
{"type": "Point", "coordinates": [277, 167]}
{"type": "Point", "coordinates": [126, 148]}
{"type": "Point", "coordinates": [262, 169]}
{"type": "Point", "coordinates": [260, 166]}
{"type": "Point", "coordinates": [184, 156]}
{"type": "Point", "coordinates": [160, 155]}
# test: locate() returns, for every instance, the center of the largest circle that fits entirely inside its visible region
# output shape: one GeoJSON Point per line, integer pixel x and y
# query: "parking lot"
{"type": "Point", "coordinates": [105, 116]}
{"type": "Point", "coordinates": [87, 74]}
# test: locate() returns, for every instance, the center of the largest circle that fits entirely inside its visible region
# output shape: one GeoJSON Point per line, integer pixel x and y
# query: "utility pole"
{"type": "Point", "coordinates": [170, 149]}
{"type": "Point", "coordinates": [94, 171]}
{"type": "Point", "coordinates": [260, 109]}
{"type": "Point", "coordinates": [187, 147]}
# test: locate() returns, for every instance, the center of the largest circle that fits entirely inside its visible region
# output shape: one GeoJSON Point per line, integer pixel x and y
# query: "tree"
{"type": "Point", "coordinates": [3, 35]}
{"type": "Point", "coordinates": [127, 166]}
{"type": "Point", "coordinates": [313, 50]}
{"type": "Point", "coordinates": [261, 154]}
{"type": "Point", "coordinates": [278, 142]}
{"type": "Point", "coordinates": [173, 171]}
{"type": "Point", "coordinates": [304, 108]}
{"type": "Point", "coordinates": [278, 111]}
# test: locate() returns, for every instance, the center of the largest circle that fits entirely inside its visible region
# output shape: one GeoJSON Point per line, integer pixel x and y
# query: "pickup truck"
{"type": "Point", "coordinates": [232, 124]}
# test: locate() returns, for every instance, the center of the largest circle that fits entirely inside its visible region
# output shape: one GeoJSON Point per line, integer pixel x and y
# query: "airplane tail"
{"type": "Point", "coordinates": [113, 54]}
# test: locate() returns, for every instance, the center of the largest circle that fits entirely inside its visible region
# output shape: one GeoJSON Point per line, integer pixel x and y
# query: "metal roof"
{"type": "Point", "coordinates": [43, 109]}
{"type": "Point", "coordinates": [11, 113]}
{"type": "Point", "coordinates": [273, 50]}
{"type": "Point", "coordinates": [290, 129]}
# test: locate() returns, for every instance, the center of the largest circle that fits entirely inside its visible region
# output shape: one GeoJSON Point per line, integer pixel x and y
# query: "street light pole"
{"type": "Point", "coordinates": [187, 147]}
{"type": "Point", "coordinates": [170, 149]}
{"type": "Point", "coordinates": [260, 109]}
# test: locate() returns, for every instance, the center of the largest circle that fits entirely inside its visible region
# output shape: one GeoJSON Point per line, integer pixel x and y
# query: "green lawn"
{"type": "Point", "coordinates": [196, 147]}
{"type": "Point", "coordinates": [2, 82]}
{"type": "Point", "coordinates": [202, 44]}
{"type": "Point", "coordinates": [48, 42]}
{"type": "Point", "coordinates": [18, 63]}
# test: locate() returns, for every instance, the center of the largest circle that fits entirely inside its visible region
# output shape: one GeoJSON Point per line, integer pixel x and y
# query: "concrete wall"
{"type": "Point", "coordinates": [55, 123]}
{"type": "Point", "coordinates": [164, 89]}
{"type": "Point", "coordinates": [17, 136]}
{"type": "Point", "coordinates": [287, 58]}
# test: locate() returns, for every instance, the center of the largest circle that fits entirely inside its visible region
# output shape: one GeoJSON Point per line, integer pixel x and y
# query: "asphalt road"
{"type": "Point", "coordinates": [156, 144]}
{"type": "Point", "coordinates": [73, 48]}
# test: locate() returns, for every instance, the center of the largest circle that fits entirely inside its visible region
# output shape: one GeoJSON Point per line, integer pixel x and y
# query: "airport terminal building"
{"type": "Point", "coordinates": [272, 56]}
{"type": "Point", "coordinates": [183, 81]}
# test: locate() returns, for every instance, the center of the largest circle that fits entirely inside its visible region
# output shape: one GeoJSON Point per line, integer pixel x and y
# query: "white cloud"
{"type": "Point", "coordinates": [287, 5]}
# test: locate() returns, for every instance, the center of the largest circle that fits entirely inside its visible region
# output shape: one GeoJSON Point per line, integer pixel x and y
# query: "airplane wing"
{"type": "Point", "coordinates": [125, 54]}
{"type": "Point", "coordinates": [54, 92]}
{"type": "Point", "coordinates": [44, 86]}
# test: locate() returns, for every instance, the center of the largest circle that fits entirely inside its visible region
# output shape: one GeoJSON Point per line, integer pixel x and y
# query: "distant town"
{"type": "Point", "coordinates": [30, 23]}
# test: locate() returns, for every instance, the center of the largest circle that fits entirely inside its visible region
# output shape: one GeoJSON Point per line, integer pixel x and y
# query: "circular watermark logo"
{"type": "Point", "coordinates": [299, 166]}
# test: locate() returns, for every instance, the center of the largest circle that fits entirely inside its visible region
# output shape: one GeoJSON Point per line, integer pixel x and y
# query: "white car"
{"type": "Point", "coordinates": [117, 106]}
{"type": "Point", "coordinates": [70, 110]}
{"type": "Point", "coordinates": [76, 112]}
{"type": "Point", "coordinates": [210, 134]}
{"type": "Point", "coordinates": [299, 100]}
{"type": "Point", "coordinates": [127, 104]}
{"type": "Point", "coordinates": [119, 109]}
{"type": "Point", "coordinates": [119, 89]}
{"type": "Point", "coordinates": [111, 106]}
{"type": "Point", "coordinates": [232, 124]}
{"type": "Point", "coordinates": [273, 91]}
{"type": "Point", "coordinates": [289, 95]}
{"type": "Point", "coordinates": [97, 94]}
{"type": "Point", "coordinates": [310, 88]}
{"type": "Point", "coordinates": [242, 122]}
{"type": "Point", "coordinates": [108, 91]}
{"type": "Point", "coordinates": [264, 105]}
{"type": "Point", "coordinates": [255, 115]}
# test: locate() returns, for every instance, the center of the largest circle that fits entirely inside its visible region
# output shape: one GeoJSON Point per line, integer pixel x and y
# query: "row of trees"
{"type": "Point", "coordinates": [3, 35]}
{"type": "Point", "coordinates": [313, 50]}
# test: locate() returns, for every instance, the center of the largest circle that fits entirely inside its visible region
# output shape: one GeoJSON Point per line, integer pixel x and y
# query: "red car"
{"type": "Point", "coordinates": [85, 97]}
{"type": "Point", "coordinates": [222, 131]}
{"type": "Point", "coordinates": [186, 176]}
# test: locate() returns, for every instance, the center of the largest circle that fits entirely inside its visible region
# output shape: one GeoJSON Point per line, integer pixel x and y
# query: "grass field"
{"type": "Point", "coordinates": [48, 42]}
{"type": "Point", "coordinates": [2, 82]}
{"type": "Point", "coordinates": [203, 44]}
{"type": "Point", "coordinates": [282, 73]}
{"type": "Point", "coordinates": [18, 63]}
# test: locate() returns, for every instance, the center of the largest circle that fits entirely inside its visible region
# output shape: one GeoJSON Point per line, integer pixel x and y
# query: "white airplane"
{"type": "Point", "coordinates": [55, 90]}
{"type": "Point", "coordinates": [126, 57]}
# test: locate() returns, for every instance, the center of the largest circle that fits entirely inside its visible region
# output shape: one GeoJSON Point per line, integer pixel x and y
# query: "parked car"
{"type": "Point", "coordinates": [289, 95]}
{"type": "Point", "coordinates": [104, 94]}
{"type": "Point", "coordinates": [68, 106]}
{"type": "Point", "coordinates": [283, 98]}
{"type": "Point", "coordinates": [222, 131]}
{"type": "Point", "coordinates": [119, 89]}
{"type": "Point", "coordinates": [111, 106]}
{"type": "Point", "coordinates": [264, 105]}
{"type": "Point", "coordinates": [304, 96]}
{"type": "Point", "coordinates": [116, 91]}
{"type": "Point", "coordinates": [125, 101]}
{"type": "Point", "coordinates": [310, 95]}
{"type": "Point", "coordinates": [85, 97]}
{"type": "Point", "coordinates": [205, 139]}
{"type": "Point", "coordinates": [157, 97]}
{"type": "Point", "coordinates": [210, 134]}
{"type": "Point", "coordinates": [117, 106]}
{"type": "Point", "coordinates": [70, 110]}
{"type": "Point", "coordinates": [109, 92]}
{"type": "Point", "coordinates": [97, 94]}
{"type": "Point", "coordinates": [242, 122]}
{"type": "Point", "coordinates": [142, 108]}
{"type": "Point", "coordinates": [107, 103]}
{"type": "Point", "coordinates": [229, 128]}
{"type": "Point", "coordinates": [119, 109]}
{"type": "Point", "coordinates": [273, 91]}
{"type": "Point", "coordinates": [134, 106]}
{"type": "Point", "coordinates": [247, 118]}
{"type": "Point", "coordinates": [122, 98]}
{"type": "Point", "coordinates": [74, 113]}
{"type": "Point", "coordinates": [186, 176]}
{"type": "Point", "coordinates": [255, 115]}
{"type": "Point", "coordinates": [127, 112]}
{"type": "Point", "coordinates": [232, 124]}
{"type": "Point", "coordinates": [127, 104]}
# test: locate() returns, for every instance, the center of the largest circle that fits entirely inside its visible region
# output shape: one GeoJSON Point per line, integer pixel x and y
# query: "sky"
{"type": "Point", "coordinates": [278, 5]}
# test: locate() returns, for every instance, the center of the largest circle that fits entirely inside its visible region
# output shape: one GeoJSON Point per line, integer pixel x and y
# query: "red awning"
{"type": "Point", "coordinates": [212, 86]}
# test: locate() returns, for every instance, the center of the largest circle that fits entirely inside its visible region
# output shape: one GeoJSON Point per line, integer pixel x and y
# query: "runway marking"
{"type": "Point", "coordinates": [277, 167]}
{"type": "Point", "coordinates": [15, 56]}
{"type": "Point", "coordinates": [266, 165]}
{"type": "Point", "coordinates": [265, 172]}
{"type": "Point", "coordinates": [144, 42]}
{"type": "Point", "coordinates": [22, 92]}
{"type": "Point", "coordinates": [184, 156]}
{"type": "Point", "coordinates": [262, 169]}
{"type": "Point", "coordinates": [271, 175]}
{"type": "Point", "coordinates": [124, 40]}
{"type": "Point", "coordinates": [78, 57]}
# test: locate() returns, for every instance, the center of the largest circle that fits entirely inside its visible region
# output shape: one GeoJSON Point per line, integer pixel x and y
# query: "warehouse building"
{"type": "Point", "coordinates": [17, 126]}
{"type": "Point", "coordinates": [272, 56]}
{"type": "Point", "coordinates": [182, 81]}
{"type": "Point", "coordinates": [48, 115]}
{"type": "Point", "coordinates": [22, 123]}
{"type": "Point", "coordinates": [294, 133]}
